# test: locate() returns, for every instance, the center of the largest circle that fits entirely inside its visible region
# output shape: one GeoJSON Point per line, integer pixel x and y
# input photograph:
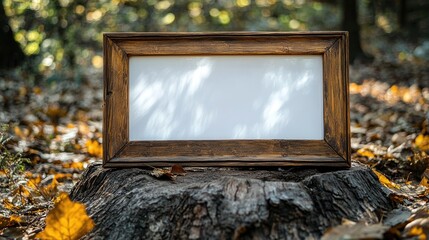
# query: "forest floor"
{"type": "Point", "coordinates": [58, 129]}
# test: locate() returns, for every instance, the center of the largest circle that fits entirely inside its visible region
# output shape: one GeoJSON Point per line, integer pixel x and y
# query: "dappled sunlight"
{"type": "Point", "coordinates": [159, 94]}
{"type": "Point", "coordinates": [226, 97]}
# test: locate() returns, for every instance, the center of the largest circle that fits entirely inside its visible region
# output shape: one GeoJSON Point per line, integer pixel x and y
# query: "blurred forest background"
{"type": "Point", "coordinates": [66, 35]}
{"type": "Point", "coordinates": [51, 86]}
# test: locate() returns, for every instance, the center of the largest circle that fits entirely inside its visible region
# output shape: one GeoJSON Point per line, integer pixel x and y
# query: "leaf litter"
{"type": "Point", "coordinates": [58, 129]}
{"type": "Point", "coordinates": [168, 174]}
{"type": "Point", "coordinates": [390, 133]}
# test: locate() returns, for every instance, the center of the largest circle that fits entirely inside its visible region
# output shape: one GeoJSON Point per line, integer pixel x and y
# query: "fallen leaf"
{"type": "Point", "coordinates": [366, 153]}
{"type": "Point", "coordinates": [384, 180]}
{"type": "Point", "coordinates": [74, 165]}
{"type": "Point", "coordinates": [424, 182]}
{"type": "Point", "coordinates": [355, 88]}
{"type": "Point", "coordinates": [55, 111]}
{"type": "Point", "coordinates": [22, 191]}
{"type": "Point", "coordinates": [62, 176]}
{"type": "Point", "coordinates": [23, 194]}
{"type": "Point", "coordinates": [425, 178]}
{"type": "Point", "coordinates": [94, 148]}
{"type": "Point", "coordinates": [163, 174]}
{"type": "Point", "coordinates": [67, 220]}
{"type": "Point", "coordinates": [417, 231]}
{"type": "Point", "coordinates": [9, 205]}
{"type": "Point", "coordinates": [178, 170]}
{"type": "Point", "coordinates": [11, 221]}
{"type": "Point", "coordinates": [34, 182]}
{"type": "Point", "coordinates": [51, 190]}
{"type": "Point", "coordinates": [422, 142]}
{"type": "Point", "coordinates": [398, 198]}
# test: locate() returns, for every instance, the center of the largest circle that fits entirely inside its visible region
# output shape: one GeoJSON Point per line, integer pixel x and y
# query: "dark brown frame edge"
{"type": "Point", "coordinates": [333, 151]}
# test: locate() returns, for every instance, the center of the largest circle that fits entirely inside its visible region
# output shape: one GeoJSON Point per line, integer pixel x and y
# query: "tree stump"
{"type": "Point", "coordinates": [228, 203]}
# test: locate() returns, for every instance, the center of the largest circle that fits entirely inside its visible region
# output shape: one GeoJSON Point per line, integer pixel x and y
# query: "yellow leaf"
{"type": "Point", "coordinates": [422, 142]}
{"type": "Point", "coordinates": [37, 90]}
{"type": "Point", "coordinates": [51, 190]}
{"type": "Point", "coordinates": [9, 205]}
{"type": "Point", "coordinates": [384, 180]}
{"type": "Point", "coordinates": [74, 165]}
{"type": "Point", "coordinates": [417, 231]}
{"type": "Point", "coordinates": [15, 218]}
{"type": "Point", "coordinates": [424, 182]}
{"type": "Point", "coordinates": [94, 148]}
{"type": "Point", "coordinates": [62, 176]}
{"type": "Point", "coordinates": [55, 111]}
{"type": "Point", "coordinates": [21, 133]}
{"type": "Point", "coordinates": [355, 88]}
{"type": "Point", "coordinates": [365, 153]}
{"type": "Point", "coordinates": [67, 220]}
{"type": "Point", "coordinates": [21, 191]}
{"type": "Point", "coordinates": [34, 182]}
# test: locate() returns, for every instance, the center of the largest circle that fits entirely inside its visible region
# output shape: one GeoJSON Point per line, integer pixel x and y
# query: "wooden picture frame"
{"type": "Point", "coordinates": [333, 150]}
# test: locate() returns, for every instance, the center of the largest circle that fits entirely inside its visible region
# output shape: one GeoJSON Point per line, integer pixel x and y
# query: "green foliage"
{"type": "Point", "coordinates": [11, 164]}
{"type": "Point", "coordinates": [61, 35]}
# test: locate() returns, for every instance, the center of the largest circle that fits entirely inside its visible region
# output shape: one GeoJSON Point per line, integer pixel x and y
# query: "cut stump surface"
{"type": "Point", "coordinates": [220, 203]}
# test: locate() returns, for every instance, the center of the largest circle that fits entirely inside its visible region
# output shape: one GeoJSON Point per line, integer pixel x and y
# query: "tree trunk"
{"type": "Point", "coordinates": [350, 23]}
{"type": "Point", "coordinates": [11, 54]}
{"type": "Point", "coordinates": [402, 14]}
{"type": "Point", "coordinates": [221, 203]}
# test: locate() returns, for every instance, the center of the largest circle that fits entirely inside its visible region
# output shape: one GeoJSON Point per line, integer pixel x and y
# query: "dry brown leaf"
{"type": "Point", "coordinates": [11, 221]}
{"type": "Point", "coordinates": [170, 174]}
{"type": "Point", "coordinates": [384, 180]}
{"type": "Point", "coordinates": [398, 198]}
{"type": "Point", "coordinates": [163, 174]}
{"type": "Point", "coordinates": [67, 220]}
{"type": "Point", "coordinates": [178, 170]}
{"type": "Point", "coordinates": [55, 111]}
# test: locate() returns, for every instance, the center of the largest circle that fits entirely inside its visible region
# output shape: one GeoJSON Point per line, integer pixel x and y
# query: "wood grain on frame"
{"type": "Point", "coordinates": [334, 150]}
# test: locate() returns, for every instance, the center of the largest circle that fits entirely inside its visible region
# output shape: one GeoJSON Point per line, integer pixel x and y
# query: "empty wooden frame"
{"type": "Point", "coordinates": [203, 99]}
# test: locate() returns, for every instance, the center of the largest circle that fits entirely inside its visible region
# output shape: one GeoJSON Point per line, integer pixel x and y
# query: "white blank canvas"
{"type": "Point", "coordinates": [226, 97]}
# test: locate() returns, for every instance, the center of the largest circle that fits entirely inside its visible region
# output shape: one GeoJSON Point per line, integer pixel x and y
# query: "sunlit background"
{"type": "Point", "coordinates": [64, 34]}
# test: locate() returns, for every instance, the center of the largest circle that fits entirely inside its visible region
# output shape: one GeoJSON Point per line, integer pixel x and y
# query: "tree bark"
{"type": "Point", "coordinates": [11, 54]}
{"type": "Point", "coordinates": [220, 203]}
{"type": "Point", "coordinates": [350, 23]}
{"type": "Point", "coordinates": [402, 13]}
